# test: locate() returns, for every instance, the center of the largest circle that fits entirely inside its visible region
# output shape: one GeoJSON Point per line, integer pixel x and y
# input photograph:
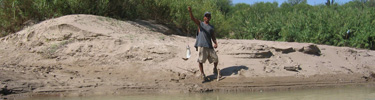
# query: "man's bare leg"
{"type": "Point", "coordinates": [217, 72]}
{"type": "Point", "coordinates": [203, 76]}
{"type": "Point", "coordinates": [201, 68]}
{"type": "Point", "coordinates": [215, 68]}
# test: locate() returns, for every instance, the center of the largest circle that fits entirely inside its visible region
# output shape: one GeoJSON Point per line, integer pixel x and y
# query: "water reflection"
{"type": "Point", "coordinates": [343, 93]}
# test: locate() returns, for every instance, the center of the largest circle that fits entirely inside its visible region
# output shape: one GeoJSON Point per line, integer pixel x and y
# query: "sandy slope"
{"type": "Point", "coordinates": [90, 55]}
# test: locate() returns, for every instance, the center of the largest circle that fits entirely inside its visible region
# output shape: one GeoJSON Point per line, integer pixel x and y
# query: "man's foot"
{"type": "Point", "coordinates": [218, 75]}
{"type": "Point", "coordinates": [203, 77]}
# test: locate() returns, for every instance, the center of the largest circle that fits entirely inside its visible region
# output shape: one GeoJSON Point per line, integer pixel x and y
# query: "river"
{"type": "Point", "coordinates": [342, 93]}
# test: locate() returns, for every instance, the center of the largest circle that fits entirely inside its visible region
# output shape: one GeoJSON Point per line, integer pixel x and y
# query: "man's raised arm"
{"type": "Point", "coordinates": [192, 17]}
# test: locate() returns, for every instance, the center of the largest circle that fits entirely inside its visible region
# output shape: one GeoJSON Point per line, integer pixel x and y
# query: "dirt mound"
{"type": "Point", "coordinates": [86, 54]}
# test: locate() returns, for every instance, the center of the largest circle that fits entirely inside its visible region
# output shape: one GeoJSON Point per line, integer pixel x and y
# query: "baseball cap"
{"type": "Point", "coordinates": [209, 13]}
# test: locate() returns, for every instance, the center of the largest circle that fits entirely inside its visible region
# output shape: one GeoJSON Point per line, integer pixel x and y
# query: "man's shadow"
{"type": "Point", "coordinates": [228, 71]}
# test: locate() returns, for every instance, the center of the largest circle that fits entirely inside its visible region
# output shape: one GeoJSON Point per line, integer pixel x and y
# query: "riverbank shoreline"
{"type": "Point", "coordinates": [281, 88]}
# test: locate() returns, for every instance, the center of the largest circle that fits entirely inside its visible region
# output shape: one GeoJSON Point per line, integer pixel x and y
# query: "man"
{"type": "Point", "coordinates": [204, 44]}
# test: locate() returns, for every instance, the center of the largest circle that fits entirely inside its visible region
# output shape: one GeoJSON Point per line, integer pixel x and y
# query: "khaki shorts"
{"type": "Point", "coordinates": [207, 53]}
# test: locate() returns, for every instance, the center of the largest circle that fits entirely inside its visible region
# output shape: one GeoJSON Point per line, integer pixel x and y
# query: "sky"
{"type": "Point", "coordinates": [311, 2]}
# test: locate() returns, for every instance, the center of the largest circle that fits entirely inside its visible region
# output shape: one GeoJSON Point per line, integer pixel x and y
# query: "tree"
{"type": "Point", "coordinates": [368, 3]}
{"type": "Point", "coordinates": [330, 2]}
{"type": "Point", "coordinates": [224, 5]}
{"type": "Point", "coordinates": [371, 3]}
{"type": "Point", "coordinates": [295, 2]}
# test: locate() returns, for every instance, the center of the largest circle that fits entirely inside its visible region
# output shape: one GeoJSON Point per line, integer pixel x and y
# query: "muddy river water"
{"type": "Point", "coordinates": [342, 93]}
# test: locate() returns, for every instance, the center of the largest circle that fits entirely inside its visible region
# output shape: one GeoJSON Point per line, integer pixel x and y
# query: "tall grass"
{"type": "Point", "coordinates": [319, 24]}
{"type": "Point", "coordinates": [322, 24]}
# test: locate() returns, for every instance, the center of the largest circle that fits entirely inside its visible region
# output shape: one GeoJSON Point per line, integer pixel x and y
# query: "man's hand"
{"type": "Point", "coordinates": [215, 45]}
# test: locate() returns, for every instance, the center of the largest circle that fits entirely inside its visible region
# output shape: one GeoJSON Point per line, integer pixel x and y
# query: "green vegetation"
{"type": "Point", "coordinates": [292, 21]}
{"type": "Point", "coordinates": [301, 22]}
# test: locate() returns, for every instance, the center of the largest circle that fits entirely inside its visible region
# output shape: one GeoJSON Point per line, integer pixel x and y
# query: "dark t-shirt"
{"type": "Point", "coordinates": [204, 36]}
